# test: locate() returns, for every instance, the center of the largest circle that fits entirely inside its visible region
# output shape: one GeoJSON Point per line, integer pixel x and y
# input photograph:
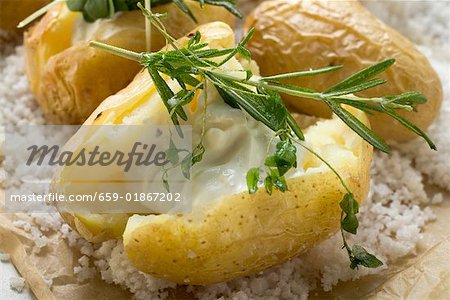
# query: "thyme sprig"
{"type": "Point", "coordinates": [260, 98]}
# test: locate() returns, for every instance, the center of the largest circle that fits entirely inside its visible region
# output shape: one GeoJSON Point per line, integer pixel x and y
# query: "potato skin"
{"type": "Point", "coordinates": [70, 81]}
{"type": "Point", "coordinates": [293, 35]}
{"type": "Point", "coordinates": [14, 11]}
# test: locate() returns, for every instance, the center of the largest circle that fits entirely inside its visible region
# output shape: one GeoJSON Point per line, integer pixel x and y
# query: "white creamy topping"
{"type": "Point", "coordinates": [84, 31]}
{"type": "Point", "coordinates": [120, 25]}
{"type": "Point", "coordinates": [234, 141]}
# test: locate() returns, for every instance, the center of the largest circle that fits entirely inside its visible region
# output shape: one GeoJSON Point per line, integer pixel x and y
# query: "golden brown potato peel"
{"type": "Point", "coordinates": [294, 35]}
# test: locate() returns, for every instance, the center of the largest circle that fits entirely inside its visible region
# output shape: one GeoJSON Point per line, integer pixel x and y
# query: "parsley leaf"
{"type": "Point", "coordinates": [350, 206]}
{"type": "Point", "coordinates": [252, 180]}
{"type": "Point", "coordinates": [363, 258]}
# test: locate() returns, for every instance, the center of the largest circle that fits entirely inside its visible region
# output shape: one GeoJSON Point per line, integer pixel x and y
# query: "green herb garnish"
{"type": "Point", "coordinates": [93, 10]}
{"type": "Point", "coordinates": [98, 9]}
{"type": "Point", "coordinates": [357, 255]}
{"type": "Point", "coordinates": [260, 98]}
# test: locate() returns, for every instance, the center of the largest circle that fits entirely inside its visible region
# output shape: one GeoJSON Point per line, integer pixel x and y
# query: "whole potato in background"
{"type": "Point", "coordinates": [14, 11]}
{"type": "Point", "coordinates": [70, 79]}
{"type": "Point", "coordinates": [294, 35]}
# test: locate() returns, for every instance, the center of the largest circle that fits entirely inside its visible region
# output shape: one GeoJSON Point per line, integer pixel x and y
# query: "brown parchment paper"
{"type": "Point", "coordinates": [424, 276]}
{"type": "Point", "coordinates": [55, 261]}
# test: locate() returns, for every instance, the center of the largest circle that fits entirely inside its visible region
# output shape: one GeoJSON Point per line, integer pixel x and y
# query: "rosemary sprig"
{"type": "Point", "coordinates": [264, 103]}
{"type": "Point", "coordinates": [260, 98]}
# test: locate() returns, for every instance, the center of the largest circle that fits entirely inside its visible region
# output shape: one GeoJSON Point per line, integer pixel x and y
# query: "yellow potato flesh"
{"type": "Point", "coordinates": [97, 227]}
{"type": "Point", "coordinates": [45, 40]}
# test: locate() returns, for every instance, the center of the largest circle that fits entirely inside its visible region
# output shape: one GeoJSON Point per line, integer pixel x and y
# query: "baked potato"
{"type": "Point", "coordinates": [295, 35]}
{"type": "Point", "coordinates": [14, 11]}
{"type": "Point", "coordinates": [69, 79]}
{"type": "Point", "coordinates": [101, 227]}
{"type": "Point", "coordinates": [230, 233]}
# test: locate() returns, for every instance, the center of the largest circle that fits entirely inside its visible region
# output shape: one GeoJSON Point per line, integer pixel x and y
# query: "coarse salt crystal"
{"type": "Point", "coordinates": [17, 284]}
{"type": "Point", "coordinates": [4, 257]}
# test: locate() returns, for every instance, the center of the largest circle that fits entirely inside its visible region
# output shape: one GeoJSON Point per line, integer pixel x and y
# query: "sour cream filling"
{"type": "Point", "coordinates": [104, 29]}
{"type": "Point", "coordinates": [234, 142]}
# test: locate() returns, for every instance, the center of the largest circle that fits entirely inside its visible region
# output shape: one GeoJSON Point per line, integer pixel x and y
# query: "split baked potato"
{"type": "Point", "coordinates": [69, 79]}
{"type": "Point", "coordinates": [229, 233]}
{"type": "Point", "coordinates": [295, 35]}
